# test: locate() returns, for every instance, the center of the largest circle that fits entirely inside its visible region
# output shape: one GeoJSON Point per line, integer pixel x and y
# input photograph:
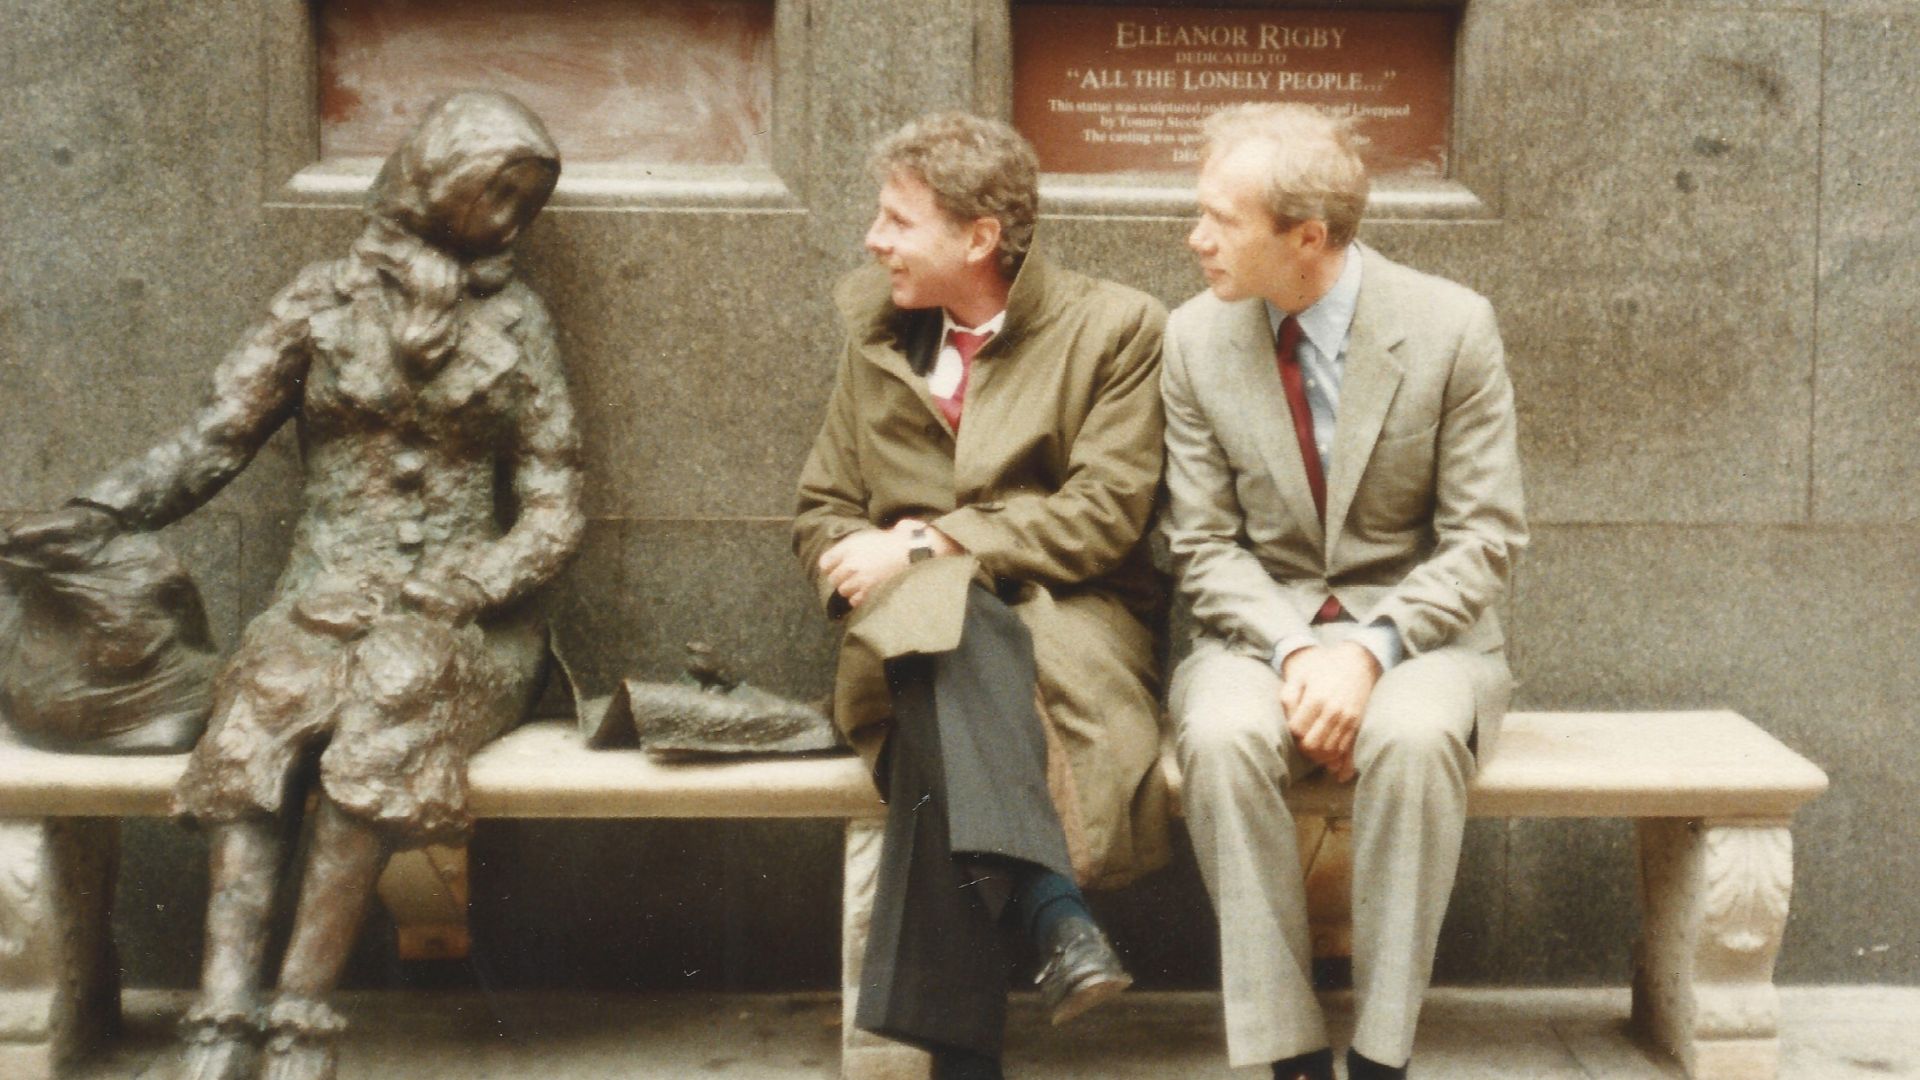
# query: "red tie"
{"type": "Point", "coordinates": [1286, 353]}
{"type": "Point", "coordinates": [966, 343]}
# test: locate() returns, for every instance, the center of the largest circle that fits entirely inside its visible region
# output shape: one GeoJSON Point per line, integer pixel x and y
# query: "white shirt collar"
{"type": "Point", "coordinates": [944, 379]}
{"type": "Point", "coordinates": [1328, 321]}
{"type": "Point", "coordinates": [991, 326]}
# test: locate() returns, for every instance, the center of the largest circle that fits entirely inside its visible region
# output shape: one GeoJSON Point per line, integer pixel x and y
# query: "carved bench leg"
{"type": "Point", "coordinates": [426, 890]}
{"type": "Point", "coordinates": [864, 1056]}
{"type": "Point", "coordinates": [1713, 906]}
{"type": "Point", "coordinates": [59, 977]}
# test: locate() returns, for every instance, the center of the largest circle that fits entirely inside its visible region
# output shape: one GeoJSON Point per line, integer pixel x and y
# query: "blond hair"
{"type": "Point", "coordinates": [1314, 171]}
{"type": "Point", "coordinates": [975, 168]}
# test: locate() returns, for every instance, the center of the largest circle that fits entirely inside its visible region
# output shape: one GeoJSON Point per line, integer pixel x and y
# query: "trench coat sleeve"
{"type": "Point", "coordinates": [1479, 520]}
{"type": "Point", "coordinates": [1234, 597]}
{"type": "Point", "coordinates": [833, 494]}
{"type": "Point", "coordinates": [1087, 527]}
{"type": "Point", "coordinates": [255, 389]}
{"type": "Point", "coordinates": [543, 460]}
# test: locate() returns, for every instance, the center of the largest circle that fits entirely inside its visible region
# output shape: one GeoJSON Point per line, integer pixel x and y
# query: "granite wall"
{"type": "Point", "coordinates": [1693, 217]}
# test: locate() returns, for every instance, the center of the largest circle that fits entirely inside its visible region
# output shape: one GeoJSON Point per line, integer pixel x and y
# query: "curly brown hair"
{"type": "Point", "coordinates": [976, 168]}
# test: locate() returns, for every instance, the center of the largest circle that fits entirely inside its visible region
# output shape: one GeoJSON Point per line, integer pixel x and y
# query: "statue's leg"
{"type": "Point", "coordinates": [221, 1030]}
{"type": "Point", "coordinates": [344, 859]}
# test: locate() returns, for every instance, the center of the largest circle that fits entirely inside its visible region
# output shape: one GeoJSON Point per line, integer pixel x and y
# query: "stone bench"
{"type": "Point", "coordinates": [59, 982]}
{"type": "Point", "coordinates": [1712, 795]}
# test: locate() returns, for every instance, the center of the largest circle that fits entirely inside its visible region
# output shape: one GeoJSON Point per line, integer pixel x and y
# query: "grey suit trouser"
{"type": "Point", "coordinates": [1409, 812]}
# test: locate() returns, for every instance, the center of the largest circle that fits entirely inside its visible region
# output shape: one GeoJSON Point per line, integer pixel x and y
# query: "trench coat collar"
{"type": "Point", "coordinates": [893, 339]}
{"type": "Point", "coordinates": [1029, 301]}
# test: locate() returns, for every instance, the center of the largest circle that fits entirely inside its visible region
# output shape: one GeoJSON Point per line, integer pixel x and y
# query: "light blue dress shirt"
{"type": "Point", "coordinates": [1324, 329]}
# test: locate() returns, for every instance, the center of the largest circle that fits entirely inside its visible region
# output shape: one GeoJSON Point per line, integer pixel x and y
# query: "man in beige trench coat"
{"type": "Point", "coordinates": [1345, 512]}
{"type": "Point", "coordinates": [975, 505]}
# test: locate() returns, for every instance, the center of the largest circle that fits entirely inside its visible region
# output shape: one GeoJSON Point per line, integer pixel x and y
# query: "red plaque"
{"type": "Point", "coordinates": [686, 83]}
{"type": "Point", "coordinates": [1123, 89]}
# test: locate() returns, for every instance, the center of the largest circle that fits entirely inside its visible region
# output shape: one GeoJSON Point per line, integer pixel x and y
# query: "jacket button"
{"type": "Point", "coordinates": [409, 469]}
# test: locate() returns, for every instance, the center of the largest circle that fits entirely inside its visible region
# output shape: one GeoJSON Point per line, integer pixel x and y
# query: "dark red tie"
{"type": "Point", "coordinates": [1287, 355]}
{"type": "Point", "coordinates": [966, 343]}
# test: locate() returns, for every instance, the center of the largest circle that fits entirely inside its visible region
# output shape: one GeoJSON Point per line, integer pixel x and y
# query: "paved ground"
{"type": "Point", "coordinates": [1829, 1034]}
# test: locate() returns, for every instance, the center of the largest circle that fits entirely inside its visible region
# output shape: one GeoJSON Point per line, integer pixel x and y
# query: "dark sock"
{"type": "Point", "coordinates": [1044, 900]}
{"type": "Point", "coordinates": [959, 1063]}
{"type": "Point", "coordinates": [1317, 1065]}
{"type": "Point", "coordinates": [1361, 1067]}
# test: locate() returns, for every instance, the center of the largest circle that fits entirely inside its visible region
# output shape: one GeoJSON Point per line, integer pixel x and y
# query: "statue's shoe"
{"type": "Point", "coordinates": [303, 1038]}
{"type": "Point", "coordinates": [221, 1044]}
{"type": "Point", "coordinates": [300, 1061]}
{"type": "Point", "coordinates": [219, 1059]}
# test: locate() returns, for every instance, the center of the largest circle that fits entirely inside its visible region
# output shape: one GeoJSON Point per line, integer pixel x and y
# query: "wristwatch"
{"type": "Point", "coordinates": [921, 548]}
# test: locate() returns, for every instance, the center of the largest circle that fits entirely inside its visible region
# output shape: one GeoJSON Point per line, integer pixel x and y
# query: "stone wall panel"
{"type": "Point", "coordinates": [1866, 453]}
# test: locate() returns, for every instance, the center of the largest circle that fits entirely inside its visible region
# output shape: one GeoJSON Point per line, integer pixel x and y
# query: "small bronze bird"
{"type": "Point", "coordinates": [705, 666]}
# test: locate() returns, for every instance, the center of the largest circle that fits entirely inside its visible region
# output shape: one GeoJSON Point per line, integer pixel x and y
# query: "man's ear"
{"type": "Point", "coordinates": [983, 239]}
{"type": "Point", "coordinates": [1312, 234]}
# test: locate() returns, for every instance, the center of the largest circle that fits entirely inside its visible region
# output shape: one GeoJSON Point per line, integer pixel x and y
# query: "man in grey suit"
{"type": "Point", "coordinates": [1345, 513]}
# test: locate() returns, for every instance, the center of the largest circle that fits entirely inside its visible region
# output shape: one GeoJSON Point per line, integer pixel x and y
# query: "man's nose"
{"type": "Point", "coordinates": [1196, 239]}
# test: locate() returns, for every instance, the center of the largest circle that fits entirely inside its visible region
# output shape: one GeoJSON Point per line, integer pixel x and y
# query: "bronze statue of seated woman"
{"type": "Point", "coordinates": [442, 487]}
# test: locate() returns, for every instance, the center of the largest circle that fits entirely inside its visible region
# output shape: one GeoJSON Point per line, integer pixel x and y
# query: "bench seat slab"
{"type": "Point", "coordinates": [538, 770]}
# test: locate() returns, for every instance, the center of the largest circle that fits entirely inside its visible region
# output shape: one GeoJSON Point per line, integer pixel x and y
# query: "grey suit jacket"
{"type": "Point", "coordinates": [1424, 509]}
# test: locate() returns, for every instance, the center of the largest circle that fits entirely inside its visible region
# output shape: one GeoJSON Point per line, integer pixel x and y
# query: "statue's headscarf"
{"type": "Point", "coordinates": [460, 145]}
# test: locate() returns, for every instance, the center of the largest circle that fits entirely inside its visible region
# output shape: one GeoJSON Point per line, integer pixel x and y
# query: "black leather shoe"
{"type": "Point", "coordinates": [1317, 1065]}
{"type": "Point", "coordinates": [1361, 1067]}
{"type": "Point", "coordinates": [1081, 970]}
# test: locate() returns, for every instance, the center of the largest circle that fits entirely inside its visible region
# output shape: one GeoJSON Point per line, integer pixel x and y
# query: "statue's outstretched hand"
{"type": "Point", "coordinates": [456, 600]}
{"type": "Point", "coordinates": [59, 539]}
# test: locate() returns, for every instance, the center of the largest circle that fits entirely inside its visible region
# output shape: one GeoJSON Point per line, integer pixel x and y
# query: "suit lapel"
{"type": "Point", "coordinates": [1249, 345]}
{"type": "Point", "coordinates": [1367, 386]}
